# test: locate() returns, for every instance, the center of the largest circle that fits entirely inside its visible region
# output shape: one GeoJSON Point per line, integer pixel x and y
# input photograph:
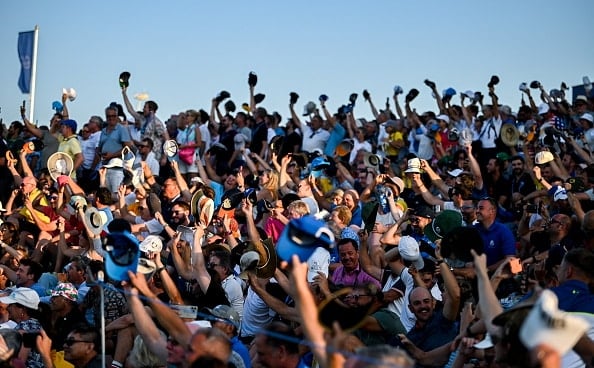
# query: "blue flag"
{"type": "Point", "coordinates": [26, 40]}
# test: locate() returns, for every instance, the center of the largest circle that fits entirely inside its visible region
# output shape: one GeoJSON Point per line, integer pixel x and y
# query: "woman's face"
{"type": "Point", "coordinates": [264, 178]}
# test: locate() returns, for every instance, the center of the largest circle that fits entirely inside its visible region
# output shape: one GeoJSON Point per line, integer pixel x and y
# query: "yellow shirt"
{"type": "Point", "coordinates": [71, 147]}
{"type": "Point", "coordinates": [42, 202]}
{"type": "Point", "coordinates": [393, 151]}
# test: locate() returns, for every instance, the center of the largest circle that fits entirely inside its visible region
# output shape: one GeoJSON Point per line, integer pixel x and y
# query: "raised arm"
{"type": "Point", "coordinates": [372, 106]}
{"type": "Point", "coordinates": [452, 302]}
{"type": "Point", "coordinates": [29, 126]}
{"type": "Point", "coordinates": [367, 264]}
{"type": "Point", "coordinates": [145, 325]}
{"type": "Point", "coordinates": [435, 178]}
{"type": "Point", "coordinates": [474, 168]}
{"type": "Point", "coordinates": [294, 116]}
{"type": "Point", "coordinates": [198, 261]}
{"type": "Point", "coordinates": [275, 304]}
{"type": "Point", "coordinates": [129, 106]}
{"type": "Point", "coordinates": [397, 106]}
{"type": "Point", "coordinates": [167, 317]}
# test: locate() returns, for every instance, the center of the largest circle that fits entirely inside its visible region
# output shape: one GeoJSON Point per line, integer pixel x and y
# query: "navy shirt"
{"type": "Point", "coordinates": [574, 296]}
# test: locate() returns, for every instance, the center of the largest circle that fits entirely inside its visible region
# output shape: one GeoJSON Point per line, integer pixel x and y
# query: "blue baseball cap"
{"type": "Point", "coordinates": [69, 123]}
{"type": "Point", "coordinates": [302, 236]}
{"type": "Point", "coordinates": [122, 250]}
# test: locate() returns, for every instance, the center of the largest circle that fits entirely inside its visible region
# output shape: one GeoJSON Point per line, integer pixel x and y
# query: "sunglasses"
{"type": "Point", "coordinates": [70, 342]}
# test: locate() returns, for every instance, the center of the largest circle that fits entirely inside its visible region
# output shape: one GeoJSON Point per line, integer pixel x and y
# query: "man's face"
{"type": "Point", "coordinates": [146, 111]}
{"type": "Point", "coordinates": [581, 107]}
{"type": "Point", "coordinates": [546, 173]}
{"type": "Point", "coordinates": [231, 181]}
{"type": "Point", "coordinates": [65, 130]}
{"type": "Point", "coordinates": [58, 303]}
{"type": "Point", "coordinates": [316, 123]}
{"type": "Point", "coordinates": [556, 225]}
{"type": "Point", "coordinates": [468, 211]}
{"type": "Point", "coordinates": [418, 223]}
{"type": "Point", "coordinates": [267, 356]}
{"type": "Point", "coordinates": [175, 352]}
{"type": "Point", "coordinates": [171, 190]}
{"type": "Point", "coordinates": [485, 211]}
{"type": "Point", "coordinates": [179, 215]}
{"type": "Point", "coordinates": [74, 275]}
{"type": "Point", "coordinates": [421, 304]}
{"type": "Point", "coordinates": [349, 256]}
{"type": "Point", "coordinates": [517, 167]}
{"type": "Point", "coordinates": [112, 117]}
{"type": "Point", "coordinates": [76, 348]}
{"type": "Point", "coordinates": [22, 275]}
{"type": "Point", "coordinates": [27, 186]}
{"type": "Point", "coordinates": [358, 298]}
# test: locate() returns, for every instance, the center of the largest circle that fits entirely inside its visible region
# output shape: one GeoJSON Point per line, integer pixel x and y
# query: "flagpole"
{"type": "Point", "coordinates": [33, 75]}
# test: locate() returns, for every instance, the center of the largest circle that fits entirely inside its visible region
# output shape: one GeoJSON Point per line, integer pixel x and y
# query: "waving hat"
{"type": "Point", "coordinates": [95, 220]}
{"type": "Point", "coordinates": [59, 164]}
{"type": "Point", "coordinates": [510, 135]}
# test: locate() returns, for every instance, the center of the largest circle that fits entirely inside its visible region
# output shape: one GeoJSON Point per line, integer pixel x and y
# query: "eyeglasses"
{"type": "Point", "coordinates": [213, 265]}
{"type": "Point", "coordinates": [70, 342]}
{"type": "Point", "coordinates": [178, 212]}
{"type": "Point", "coordinates": [53, 198]}
{"type": "Point", "coordinates": [555, 222]}
{"type": "Point", "coordinates": [414, 219]}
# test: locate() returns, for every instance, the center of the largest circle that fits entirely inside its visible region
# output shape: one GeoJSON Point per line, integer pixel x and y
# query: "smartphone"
{"type": "Point", "coordinates": [24, 104]}
{"type": "Point", "coordinates": [531, 208]}
{"type": "Point", "coordinates": [185, 311]}
{"type": "Point", "coordinates": [515, 266]}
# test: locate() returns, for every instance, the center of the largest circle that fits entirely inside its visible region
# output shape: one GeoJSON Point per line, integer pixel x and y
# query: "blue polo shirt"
{"type": "Point", "coordinates": [498, 242]}
{"type": "Point", "coordinates": [336, 136]}
{"type": "Point", "coordinates": [574, 296]}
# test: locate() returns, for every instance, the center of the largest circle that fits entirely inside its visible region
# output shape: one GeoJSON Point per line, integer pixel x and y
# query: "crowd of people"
{"type": "Point", "coordinates": [460, 237]}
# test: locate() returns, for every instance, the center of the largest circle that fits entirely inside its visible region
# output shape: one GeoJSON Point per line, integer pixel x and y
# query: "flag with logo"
{"type": "Point", "coordinates": [25, 47]}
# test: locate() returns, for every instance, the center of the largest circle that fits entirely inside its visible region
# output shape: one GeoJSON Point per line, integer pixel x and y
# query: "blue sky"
{"type": "Point", "coordinates": [182, 53]}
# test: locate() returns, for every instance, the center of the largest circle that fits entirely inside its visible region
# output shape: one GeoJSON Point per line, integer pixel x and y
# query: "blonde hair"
{"type": "Point", "coordinates": [299, 207]}
{"type": "Point", "coordinates": [344, 214]}
{"type": "Point", "coordinates": [272, 184]}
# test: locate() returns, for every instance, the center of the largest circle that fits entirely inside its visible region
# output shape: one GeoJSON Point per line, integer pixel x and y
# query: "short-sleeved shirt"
{"type": "Point", "coordinates": [498, 242]}
{"type": "Point", "coordinates": [71, 147]}
{"type": "Point", "coordinates": [352, 278]}
{"type": "Point", "coordinates": [314, 139]}
{"type": "Point", "coordinates": [113, 140]}
{"type": "Point", "coordinates": [437, 332]}
{"type": "Point", "coordinates": [391, 326]}
{"type": "Point", "coordinates": [337, 134]}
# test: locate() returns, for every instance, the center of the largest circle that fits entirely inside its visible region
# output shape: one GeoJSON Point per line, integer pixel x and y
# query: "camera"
{"type": "Point", "coordinates": [532, 208]}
